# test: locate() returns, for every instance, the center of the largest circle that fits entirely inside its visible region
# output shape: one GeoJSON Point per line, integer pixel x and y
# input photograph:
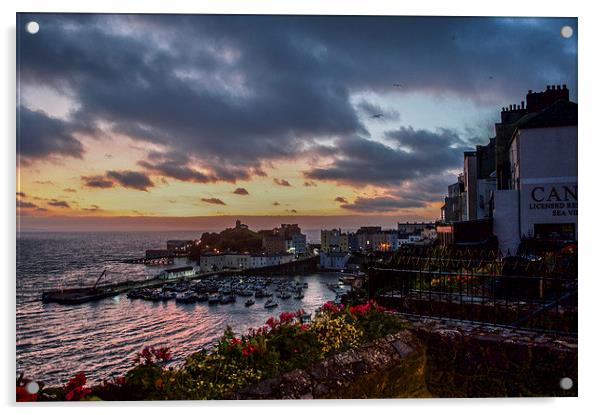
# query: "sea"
{"type": "Point", "coordinates": [101, 338]}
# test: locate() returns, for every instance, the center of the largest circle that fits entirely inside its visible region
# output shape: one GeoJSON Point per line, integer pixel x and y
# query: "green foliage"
{"type": "Point", "coordinates": [355, 297]}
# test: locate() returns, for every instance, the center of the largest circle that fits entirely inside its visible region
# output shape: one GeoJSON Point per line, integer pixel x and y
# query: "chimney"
{"type": "Point", "coordinates": [522, 105]}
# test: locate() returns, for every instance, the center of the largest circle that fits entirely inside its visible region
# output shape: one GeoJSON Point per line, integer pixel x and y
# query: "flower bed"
{"type": "Point", "coordinates": [281, 345]}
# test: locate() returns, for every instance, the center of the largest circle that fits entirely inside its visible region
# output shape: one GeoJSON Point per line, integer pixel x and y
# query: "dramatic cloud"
{"type": "Point", "coordinates": [213, 201]}
{"type": "Point", "coordinates": [41, 135]}
{"type": "Point", "coordinates": [241, 191]}
{"type": "Point", "coordinates": [131, 179]}
{"type": "Point", "coordinates": [203, 86]}
{"type": "Point", "coordinates": [410, 195]}
{"type": "Point", "coordinates": [127, 178]}
{"type": "Point", "coordinates": [99, 182]}
{"type": "Point", "coordinates": [340, 199]}
{"type": "Point", "coordinates": [412, 154]}
{"type": "Point", "coordinates": [310, 184]}
{"type": "Point", "coordinates": [276, 204]}
{"type": "Point", "coordinates": [25, 205]}
{"type": "Point", "coordinates": [282, 182]}
{"type": "Point", "coordinates": [59, 203]}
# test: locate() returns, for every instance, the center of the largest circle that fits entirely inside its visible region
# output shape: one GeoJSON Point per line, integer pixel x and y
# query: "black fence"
{"type": "Point", "coordinates": [535, 293]}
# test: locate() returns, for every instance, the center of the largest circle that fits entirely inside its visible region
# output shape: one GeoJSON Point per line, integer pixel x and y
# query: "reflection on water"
{"type": "Point", "coordinates": [101, 338]}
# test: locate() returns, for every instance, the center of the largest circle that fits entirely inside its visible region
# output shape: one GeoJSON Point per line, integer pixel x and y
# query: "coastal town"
{"type": "Point", "coordinates": [261, 207]}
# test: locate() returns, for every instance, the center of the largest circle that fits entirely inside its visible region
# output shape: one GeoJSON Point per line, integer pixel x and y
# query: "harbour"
{"type": "Point", "coordinates": [101, 337]}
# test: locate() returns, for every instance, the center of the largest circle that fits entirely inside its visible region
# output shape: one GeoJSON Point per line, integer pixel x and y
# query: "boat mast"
{"type": "Point", "coordinates": [104, 271]}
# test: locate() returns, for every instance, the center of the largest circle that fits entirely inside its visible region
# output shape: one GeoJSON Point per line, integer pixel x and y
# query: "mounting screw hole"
{"type": "Point", "coordinates": [566, 32]}
{"type": "Point", "coordinates": [566, 383]}
{"type": "Point", "coordinates": [32, 27]}
{"type": "Point", "coordinates": [32, 387]}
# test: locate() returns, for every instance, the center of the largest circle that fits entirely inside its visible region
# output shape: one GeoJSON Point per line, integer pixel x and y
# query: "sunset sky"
{"type": "Point", "coordinates": [187, 116]}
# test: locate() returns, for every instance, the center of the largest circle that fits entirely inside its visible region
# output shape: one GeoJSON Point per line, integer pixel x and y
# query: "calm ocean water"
{"type": "Point", "coordinates": [101, 338]}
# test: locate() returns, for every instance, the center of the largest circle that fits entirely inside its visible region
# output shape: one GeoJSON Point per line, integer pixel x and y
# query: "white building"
{"type": "Point", "coordinates": [542, 200]}
{"type": "Point", "coordinates": [334, 260]}
{"type": "Point", "coordinates": [180, 272]}
{"type": "Point", "coordinates": [299, 244]}
{"type": "Point", "coordinates": [232, 261]}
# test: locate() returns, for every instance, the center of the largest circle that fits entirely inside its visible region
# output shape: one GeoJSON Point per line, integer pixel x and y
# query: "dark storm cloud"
{"type": "Point", "coordinates": [25, 205]}
{"type": "Point", "coordinates": [340, 199]}
{"type": "Point", "coordinates": [179, 166]}
{"type": "Point", "coordinates": [131, 179]}
{"type": "Point", "coordinates": [411, 194]}
{"type": "Point", "coordinates": [310, 184]}
{"type": "Point", "coordinates": [413, 154]}
{"type": "Point", "coordinates": [282, 182]}
{"type": "Point", "coordinates": [41, 135]}
{"type": "Point", "coordinates": [237, 91]}
{"type": "Point", "coordinates": [59, 203]}
{"type": "Point", "coordinates": [125, 178]}
{"type": "Point", "coordinates": [213, 201]}
{"type": "Point", "coordinates": [99, 182]}
{"type": "Point", "coordinates": [241, 191]}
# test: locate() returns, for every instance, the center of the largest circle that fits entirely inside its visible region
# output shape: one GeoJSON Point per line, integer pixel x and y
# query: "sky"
{"type": "Point", "coordinates": [150, 121]}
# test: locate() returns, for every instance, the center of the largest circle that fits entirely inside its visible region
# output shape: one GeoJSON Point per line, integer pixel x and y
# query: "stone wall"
{"type": "Point", "coordinates": [468, 360]}
{"type": "Point", "coordinates": [388, 368]}
{"type": "Point", "coordinates": [434, 359]}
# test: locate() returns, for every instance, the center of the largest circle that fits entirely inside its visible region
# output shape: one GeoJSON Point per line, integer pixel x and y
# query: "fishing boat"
{"type": "Point", "coordinates": [270, 304]}
{"type": "Point", "coordinates": [227, 299]}
{"type": "Point", "coordinates": [186, 297]}
{"type": "Point", "coordinates": [203, 297]}
{"type": "Point", "coordinates": [249, 302]}
{"type": "Point", "coordinates": [214, 298]}
{"type": "Point", "coordinates": [299, 296]}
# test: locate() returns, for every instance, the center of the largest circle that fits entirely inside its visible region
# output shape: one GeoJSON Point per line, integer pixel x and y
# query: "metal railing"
{"type": "Point", "coordinates": [490, 291]}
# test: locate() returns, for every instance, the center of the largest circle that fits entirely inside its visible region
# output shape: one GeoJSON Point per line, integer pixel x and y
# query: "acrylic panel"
{"type": "Point", "coordinates": [286, 206]}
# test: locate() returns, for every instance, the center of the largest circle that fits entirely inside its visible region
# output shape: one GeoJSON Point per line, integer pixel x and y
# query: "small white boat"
{"type": "Point", "coordinates": [270, 304]}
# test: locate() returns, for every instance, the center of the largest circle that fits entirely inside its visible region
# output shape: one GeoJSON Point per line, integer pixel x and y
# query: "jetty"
{"type": "Point", "coordinates": [80, 295]}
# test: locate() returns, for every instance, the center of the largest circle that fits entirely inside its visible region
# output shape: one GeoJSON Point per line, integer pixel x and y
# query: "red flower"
{"type": "Point", "coordinates": [75, 390]}
{"type": "Point", "coordinates": [271, 322]}
{"type": "Point", "coordinates": [24, 396]}
{"type": "Point", "coordinates": [285, 317]}
{"type": "Point", "coordinates": [77, 381]}
{"type": "Point", "coordinates": [248, 350]}
{"type": "Point", "coordinates": [331, 307]}
{"type": "Point", "coordinates": [163, 354]}
{"type": "Point", "coordinates": [235, 341]}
